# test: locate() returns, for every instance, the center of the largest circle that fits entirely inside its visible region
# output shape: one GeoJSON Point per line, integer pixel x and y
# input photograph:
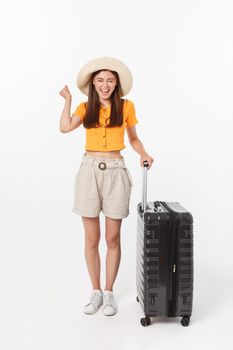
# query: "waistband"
{"type": "Point", "coordinates": [103, 163]}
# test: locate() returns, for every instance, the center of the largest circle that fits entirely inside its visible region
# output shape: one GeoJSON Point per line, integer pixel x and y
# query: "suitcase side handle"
{"type": "Point", "coordinates": [144, 185]}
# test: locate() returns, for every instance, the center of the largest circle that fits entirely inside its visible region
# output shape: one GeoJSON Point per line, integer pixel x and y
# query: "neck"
{"type": "Point", "coordinates": [105, 102]}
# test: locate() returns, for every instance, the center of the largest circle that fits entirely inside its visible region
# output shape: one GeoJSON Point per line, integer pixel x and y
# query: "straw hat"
{"type": "Point", "coordinates": [125, 76]}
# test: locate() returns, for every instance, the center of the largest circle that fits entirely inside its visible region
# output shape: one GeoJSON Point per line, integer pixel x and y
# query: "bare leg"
{"type": "Point", "coordinates": [112, 228]}
{"type": "Point", "coordinates": [92, 238]}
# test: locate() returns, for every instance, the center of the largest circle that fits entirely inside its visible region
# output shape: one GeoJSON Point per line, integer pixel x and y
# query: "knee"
{"type": "Point", "coordinates": [112, 241]}
{"type": "Point", "coordinates": [92, 241]}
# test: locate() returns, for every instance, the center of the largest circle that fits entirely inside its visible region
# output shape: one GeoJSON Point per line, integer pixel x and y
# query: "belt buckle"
{"type": "Point", "coordinates": [102, 165]}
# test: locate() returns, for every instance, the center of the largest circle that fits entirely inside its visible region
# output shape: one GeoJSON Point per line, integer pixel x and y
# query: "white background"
{"type": "Point", "coordinates": [180, 54]}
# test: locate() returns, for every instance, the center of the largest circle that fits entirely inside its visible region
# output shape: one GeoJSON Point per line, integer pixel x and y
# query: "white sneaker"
{"type": "Point", "coordinates": [109, 303]}
{"type": "Point", "coordinates": [96, 300]}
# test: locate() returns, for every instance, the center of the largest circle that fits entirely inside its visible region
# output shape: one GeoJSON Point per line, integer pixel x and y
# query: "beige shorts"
{"type": "Point", "coordinates": [102, 184]}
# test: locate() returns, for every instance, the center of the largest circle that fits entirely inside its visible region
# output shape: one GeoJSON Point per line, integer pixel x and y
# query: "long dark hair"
{"type": "Point", "coordinates": [91, 119]}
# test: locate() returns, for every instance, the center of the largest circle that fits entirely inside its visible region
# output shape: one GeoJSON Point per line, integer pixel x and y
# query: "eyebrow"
{"type": "Point", "coordinates": [107, 79]}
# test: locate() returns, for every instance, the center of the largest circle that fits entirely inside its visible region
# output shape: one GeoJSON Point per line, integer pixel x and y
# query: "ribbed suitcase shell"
{"type": "Point", "coordinates": [164, 274]}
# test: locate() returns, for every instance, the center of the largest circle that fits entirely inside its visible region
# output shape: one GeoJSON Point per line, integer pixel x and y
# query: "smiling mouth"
{"type": "Point", "coordinates": [105, 91]}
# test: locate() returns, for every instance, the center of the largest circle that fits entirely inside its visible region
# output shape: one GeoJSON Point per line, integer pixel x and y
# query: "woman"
{"type": "Point", "coordinates": [103, 182]}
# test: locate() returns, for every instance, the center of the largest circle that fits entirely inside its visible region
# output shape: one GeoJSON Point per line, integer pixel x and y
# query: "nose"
{"type": "Point", "coordinates": [105, 84]}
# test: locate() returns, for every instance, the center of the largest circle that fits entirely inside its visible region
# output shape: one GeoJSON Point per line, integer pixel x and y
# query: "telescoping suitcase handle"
{"type": "Point", "coordinates": [144, 185]}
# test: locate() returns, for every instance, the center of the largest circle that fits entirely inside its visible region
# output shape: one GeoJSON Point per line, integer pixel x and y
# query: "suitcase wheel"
{"type": "Point", "coordinates": [185, 321]}
{"type": "Point", "coordinates": [137, 299]}
{"type": "Point", "coordinates": [145, 321]}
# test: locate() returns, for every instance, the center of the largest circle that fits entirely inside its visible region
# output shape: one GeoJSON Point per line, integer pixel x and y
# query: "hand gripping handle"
{"type": "Point", "coordinates": [144, 185]}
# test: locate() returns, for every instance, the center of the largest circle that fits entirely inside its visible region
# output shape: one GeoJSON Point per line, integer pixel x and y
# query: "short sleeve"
{"type": "Point", "coordinates": [80, 111]}
{"type": "Point", "coordinates": [131, 119]}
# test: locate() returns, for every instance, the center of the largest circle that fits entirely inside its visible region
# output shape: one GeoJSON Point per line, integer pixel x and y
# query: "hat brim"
{"type": "Point", "coordinates": [84, 75]}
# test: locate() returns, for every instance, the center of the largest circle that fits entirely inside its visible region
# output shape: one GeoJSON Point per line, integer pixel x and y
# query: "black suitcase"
{"type": "Point", "coordinates": [164, 273]}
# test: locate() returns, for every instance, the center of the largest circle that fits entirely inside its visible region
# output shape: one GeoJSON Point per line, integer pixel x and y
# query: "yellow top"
{"type": "Point", "coordinates": [103, 138]}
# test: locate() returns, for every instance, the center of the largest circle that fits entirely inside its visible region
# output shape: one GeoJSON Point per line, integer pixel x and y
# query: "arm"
{"type": "Point", "coordinates": [68, 123]}
{"type": "Point", "coordinates": [138, 146]}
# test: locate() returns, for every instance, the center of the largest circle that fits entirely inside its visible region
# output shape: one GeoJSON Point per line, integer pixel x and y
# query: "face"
{"type": "Point", "coordinates": [105, 83]}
